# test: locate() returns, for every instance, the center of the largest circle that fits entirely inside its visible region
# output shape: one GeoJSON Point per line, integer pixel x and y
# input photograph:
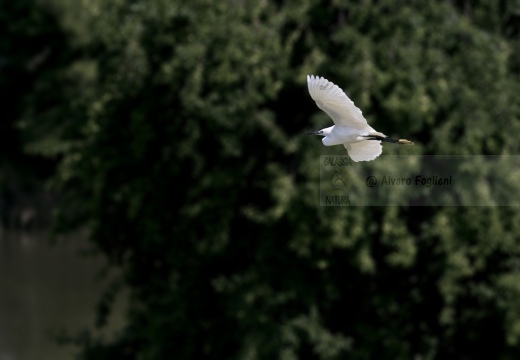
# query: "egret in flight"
{"type": "Point", "coordinates": [351, 129]}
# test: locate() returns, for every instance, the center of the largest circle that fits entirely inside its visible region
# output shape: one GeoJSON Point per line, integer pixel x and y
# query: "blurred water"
{"type": "Point", "coordinates": [46, 288]}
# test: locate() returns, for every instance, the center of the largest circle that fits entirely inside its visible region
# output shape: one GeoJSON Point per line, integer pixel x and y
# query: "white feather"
{"type": "Point", "coordinates": [365, 150]}
{"type": "Point", "coordinates": [331, 99]}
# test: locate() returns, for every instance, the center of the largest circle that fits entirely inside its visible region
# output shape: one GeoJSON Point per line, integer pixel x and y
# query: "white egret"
{"type": "Point", "coordinates": [351, 129]}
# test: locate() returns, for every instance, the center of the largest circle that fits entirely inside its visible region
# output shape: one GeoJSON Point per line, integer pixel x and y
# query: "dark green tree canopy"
{"type": "Point", "coordinates": [176, 127]}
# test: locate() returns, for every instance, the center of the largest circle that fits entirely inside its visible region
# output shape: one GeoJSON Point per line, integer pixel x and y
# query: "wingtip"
{"type": "Point", "coordinates": [310, 77]}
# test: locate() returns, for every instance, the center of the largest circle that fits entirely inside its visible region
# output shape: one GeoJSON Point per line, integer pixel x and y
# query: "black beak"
{"type": "Point", "coordinates": [312, 133]}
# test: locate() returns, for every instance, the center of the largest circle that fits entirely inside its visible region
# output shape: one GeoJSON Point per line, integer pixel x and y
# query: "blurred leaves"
{"type": "Point", "coordinates": [176, 128]}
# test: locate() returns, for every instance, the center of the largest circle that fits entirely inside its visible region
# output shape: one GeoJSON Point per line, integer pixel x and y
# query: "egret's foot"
{"type": "Point", "coordinates": [384, 138]}
{"type": "Point", "coordinates": [404, 142]}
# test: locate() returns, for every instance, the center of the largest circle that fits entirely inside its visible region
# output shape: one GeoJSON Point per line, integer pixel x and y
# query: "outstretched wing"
{"type": "Point", "coordinates": [364, 150]}
{"type": "Point", "coordinates": [331, 99]}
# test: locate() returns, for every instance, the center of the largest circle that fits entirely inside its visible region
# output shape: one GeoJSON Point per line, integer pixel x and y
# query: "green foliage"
{"type": "Point", "coordinates": [178, 125]}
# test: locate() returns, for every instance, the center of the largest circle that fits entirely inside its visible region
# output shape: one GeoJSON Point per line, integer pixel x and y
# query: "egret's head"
{"type": "Point", "coordinates": [322, 132]}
